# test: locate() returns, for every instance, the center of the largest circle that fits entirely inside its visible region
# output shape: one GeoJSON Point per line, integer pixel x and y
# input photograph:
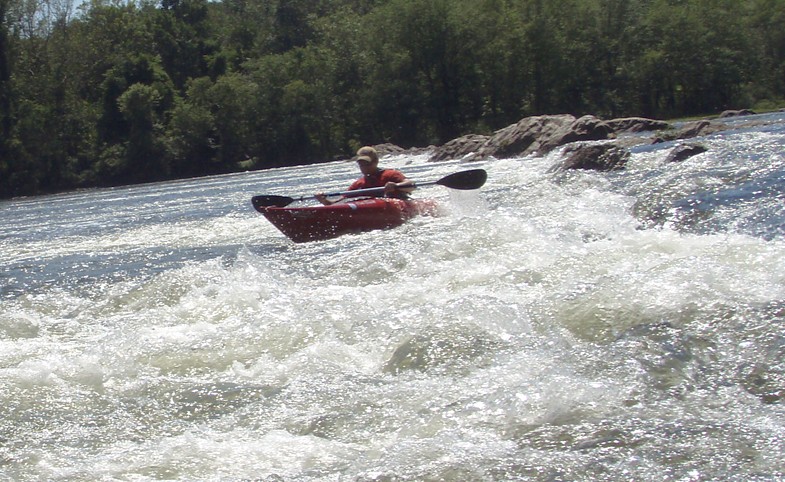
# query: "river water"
{"type": "Point", "coordinates": [550, 326]}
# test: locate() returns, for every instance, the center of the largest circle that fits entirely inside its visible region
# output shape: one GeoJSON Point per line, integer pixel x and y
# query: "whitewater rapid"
{"type": "Point", "coordinates": [554, 325]}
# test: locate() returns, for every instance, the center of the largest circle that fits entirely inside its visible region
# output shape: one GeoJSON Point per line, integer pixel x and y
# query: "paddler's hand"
{"type": "Point", "coordinates": [322, 198]}
{"type": "Point", "coordinates": [392, 187]}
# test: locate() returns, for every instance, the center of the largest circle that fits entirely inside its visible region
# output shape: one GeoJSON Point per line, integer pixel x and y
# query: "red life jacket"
{"type": "Point", "coordinates": [382, 177]}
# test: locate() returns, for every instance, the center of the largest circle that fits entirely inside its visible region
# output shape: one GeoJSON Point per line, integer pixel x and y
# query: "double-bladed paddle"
{"type": "Point", "coordinates": [463, 180]}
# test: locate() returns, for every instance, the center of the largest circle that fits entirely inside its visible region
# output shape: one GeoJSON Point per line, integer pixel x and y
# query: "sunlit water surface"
{"type": "Point", "coordinates": [551, 326]}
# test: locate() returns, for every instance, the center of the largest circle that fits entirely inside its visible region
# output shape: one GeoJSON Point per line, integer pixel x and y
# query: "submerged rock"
{"type": "Point", "coordinates": [436, 349]}
{"type": "Point", "coordinates": [685, 151]}
{"type": "Point", "coordinates": [766, 383]}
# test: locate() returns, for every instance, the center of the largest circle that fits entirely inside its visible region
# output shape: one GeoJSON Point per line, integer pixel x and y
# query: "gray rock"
{"type": "Point", "coordinates": [685, 151]}
{"type": "Point", "coordinates": [459, 148]}
{"type": "Point", "coordinates": [636, 124]}
{"type": "Point", "coordinates": [736, 113]}
{"type": "Point", "coordinates": [597, 157]}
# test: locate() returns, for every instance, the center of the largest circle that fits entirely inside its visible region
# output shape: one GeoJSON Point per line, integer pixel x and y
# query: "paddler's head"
{"type": "Point", "coordinates": [368, 160]}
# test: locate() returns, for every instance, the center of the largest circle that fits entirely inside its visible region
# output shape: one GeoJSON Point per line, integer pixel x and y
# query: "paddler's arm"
{"type": "Point", "coordinates": [406, 186]}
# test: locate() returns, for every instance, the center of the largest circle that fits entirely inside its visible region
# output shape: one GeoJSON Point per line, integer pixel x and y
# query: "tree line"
{"type": "Point", "coordinates": [118, 92]}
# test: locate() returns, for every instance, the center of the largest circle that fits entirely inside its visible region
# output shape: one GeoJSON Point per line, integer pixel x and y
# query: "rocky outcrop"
{"type": "Point", "coordinates": [539, 135]}
{"type": "Point", "coordinates": [531, 135]}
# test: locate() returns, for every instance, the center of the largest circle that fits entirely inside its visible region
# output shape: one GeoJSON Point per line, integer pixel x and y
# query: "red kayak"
{"type": "Point", "coordinates": [317, 223]}
{"type": "Point", "coordinates": [324, 222]}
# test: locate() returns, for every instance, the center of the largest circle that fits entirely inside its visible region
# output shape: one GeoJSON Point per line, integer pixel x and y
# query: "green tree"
{"type": "Point", "coordinates": [46, 133]}
{"type": "Point", "coordinates": [291, 27]}
{"type": "Point", "coordinates": [492, 39]}
{"type": "Point", "coordinates": [139, 156]}
{"type": "Point", "coordinates": [5, 91]}
{"type": "Point", "coordinates": [180, 32]}
{"type": "Point", "coordinates": [137, 98]}
{"type": "Point", "coordinates": [231, 100]}
{"type": "Point", "coordinates": [765, 23]}
{"type": "Point", "coordinates": [192, 136]}
{"type": "Point", "coordinates": [144, 159]}
{"type": "Point", "coordinates": [213, 129]}
{"type": "Point", "coordinates": [419, 73]}
{"type": "Point", "coordinates": [695, 59]}
{"type": "Point", "coordinates": [295, 105]}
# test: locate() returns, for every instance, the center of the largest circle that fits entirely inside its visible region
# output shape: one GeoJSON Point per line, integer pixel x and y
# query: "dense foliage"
{"type": "Point", "coordinates": [118, 92]}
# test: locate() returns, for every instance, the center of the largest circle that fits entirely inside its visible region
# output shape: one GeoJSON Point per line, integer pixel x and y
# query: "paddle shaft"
{"type": "Point", "coordinates": [370, 191]}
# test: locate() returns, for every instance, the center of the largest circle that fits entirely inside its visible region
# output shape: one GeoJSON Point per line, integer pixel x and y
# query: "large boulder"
{"type": "Point", "coordinates": [459, 148]}
{"type": "Point", "coordinates": [695, 129]}
{"type": "Point", "coordinates": [586, 128]}
{"type": "Point", "coordinates": [598, 157]}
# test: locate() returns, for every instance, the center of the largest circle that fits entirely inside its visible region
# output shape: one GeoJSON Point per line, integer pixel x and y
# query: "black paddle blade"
{"type": "Point", "coordinates": [261, 202]}
{"type": "Point", "coordinates": [465, 180]}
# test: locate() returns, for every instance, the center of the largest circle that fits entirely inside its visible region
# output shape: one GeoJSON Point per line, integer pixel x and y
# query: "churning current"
{"type": "Point", "coordinates": [553, 325]}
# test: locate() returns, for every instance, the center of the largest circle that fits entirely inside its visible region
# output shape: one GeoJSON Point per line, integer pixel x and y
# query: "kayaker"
{"type": "Point", "coordinates": [394, 182]}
